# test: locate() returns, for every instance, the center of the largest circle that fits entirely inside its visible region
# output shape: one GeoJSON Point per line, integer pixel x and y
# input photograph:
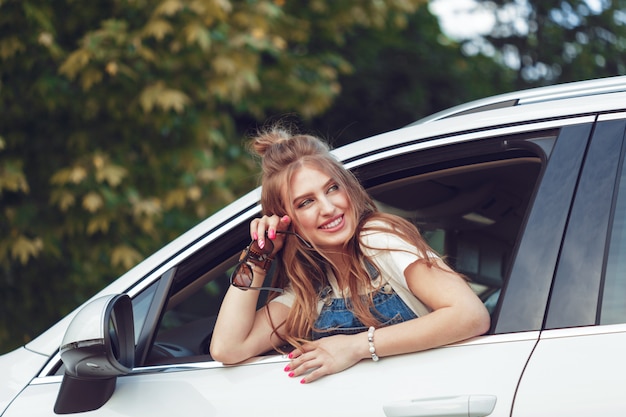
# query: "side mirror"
{"type": "Point", "coordinates": [99, 345]}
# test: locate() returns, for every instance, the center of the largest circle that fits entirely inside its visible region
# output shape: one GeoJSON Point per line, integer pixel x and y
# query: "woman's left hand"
{"type": "Point", "coordinates": [326, 356]}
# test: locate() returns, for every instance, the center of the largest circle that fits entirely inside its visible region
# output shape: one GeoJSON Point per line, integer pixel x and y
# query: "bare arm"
{"type": "Point", "coordinates": [240, 330]}
{"type": "Point", "coordinates": [458, 314]}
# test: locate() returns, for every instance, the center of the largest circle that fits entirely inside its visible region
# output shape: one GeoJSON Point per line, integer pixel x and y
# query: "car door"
{"type": "Point", "coordinates": [578, 367]}
{"type": "Point", "coordinates": [483, 198]}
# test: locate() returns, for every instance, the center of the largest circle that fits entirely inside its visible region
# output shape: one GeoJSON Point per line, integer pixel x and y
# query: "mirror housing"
{"type": "Point", "coordinates": [99, 345]}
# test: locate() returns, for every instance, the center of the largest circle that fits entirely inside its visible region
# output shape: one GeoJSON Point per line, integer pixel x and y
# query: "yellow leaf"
{"type": "Point", "coordinates": [145, 53]}
{"type": "Point", "coordinates": [89, 78]}
{"type": "Point", "coordinates": [176, 198]}
{"type": "Point", "coordinates": [112, 174]}
{"type": "Point", "coordinates": [196, 33]}
{"type": "Point", "coordinates": [62, 198]}
{"type": "Point", "coordinates": [157, 28]}
{"type": "Point", "coordinates": [169, 7]}
{"type": "Point", "coordinates": [126, 256]}
{"type": "Point", "coordinates": [165, 98]}
{"type": "Point", "coordinates": [98, 224]}
{"type": "Point", "coordinates": [146, 225]}
{"type": "Point", "coordinates": [10, 46]}
{"type": "Point", "coordinates": [64, 176]}
{"type": "Point", "coordinates": [194, 193]}
{"type": "Point", "coordinates": [74, 63]}
{"type": "Point", "coordinates": [92, 202]}
{"type": "Point", "coordinates": [12, 178]}
{"type": "Point", "coordinates": [147, 208]}
{"type": "Point", "coordinates": [24, 248]}
{"type": "Point", "coordinates": [173, 100]}
{"type": "Point", "coordinates": [224, 65]}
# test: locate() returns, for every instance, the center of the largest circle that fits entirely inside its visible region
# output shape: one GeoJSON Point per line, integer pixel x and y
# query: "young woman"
{"type": "Point", "coordinates": [352, 283]}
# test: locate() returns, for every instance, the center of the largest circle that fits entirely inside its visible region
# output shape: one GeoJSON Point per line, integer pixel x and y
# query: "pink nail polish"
{"type": "Point", "coordinates": [284, 219]}
{"type": "Point", "coordinates": [261, 243]}
{"type": "Point", "coordinates": [290, 355]}
{"type": "Point", "coordinates": [291, 374]}
{"type": "Point", "coordinates": [255, 236]}
{"type": "Point", "coordinates": [287, 368]}
{"type": "Point", "coordinates": [271, 234]}
{"type": "Point", "coordinates": [302, 381]}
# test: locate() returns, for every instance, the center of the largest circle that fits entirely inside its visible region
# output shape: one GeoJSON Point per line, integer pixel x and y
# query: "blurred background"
{"type": "Point", "coordinates": [124, 122]}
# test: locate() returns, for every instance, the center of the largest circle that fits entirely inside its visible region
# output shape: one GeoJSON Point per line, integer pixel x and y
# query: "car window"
{"type": "Point", "coordinates": [469, 203]}
{"type": "Point", "coordinates": [471, 214]}
{"type": "Point", "coordinates": [614, 293]}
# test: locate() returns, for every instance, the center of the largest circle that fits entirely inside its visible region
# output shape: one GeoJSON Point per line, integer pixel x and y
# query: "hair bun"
{"type": "Point", "coordinates": [269, 137]}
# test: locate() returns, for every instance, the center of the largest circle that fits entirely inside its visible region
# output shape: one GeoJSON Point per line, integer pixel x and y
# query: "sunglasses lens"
{"type": "Point", "coordinates": [242, 276]}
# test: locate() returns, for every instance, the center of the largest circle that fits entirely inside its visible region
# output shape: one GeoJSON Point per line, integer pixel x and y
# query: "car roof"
{"type": "Point", "coordinates": [545, 103]}
{"type": "Point", "coordinates": [533, 95]}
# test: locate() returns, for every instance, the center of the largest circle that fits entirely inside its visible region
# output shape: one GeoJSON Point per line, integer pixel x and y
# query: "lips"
{"type": "Point", "coordinates": [333, 223]}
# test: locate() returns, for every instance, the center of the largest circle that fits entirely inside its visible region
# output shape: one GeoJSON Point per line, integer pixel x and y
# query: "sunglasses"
{"type": "Point", "coordinates": [242, 275]}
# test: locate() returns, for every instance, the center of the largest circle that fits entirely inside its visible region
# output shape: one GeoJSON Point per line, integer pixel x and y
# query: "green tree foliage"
{"type": "Point", "coordinates": [555, 41]}
{"type": "Point", "coordinates": [119, 126]}
{"type": "Point", "coordinates": [403, 73]}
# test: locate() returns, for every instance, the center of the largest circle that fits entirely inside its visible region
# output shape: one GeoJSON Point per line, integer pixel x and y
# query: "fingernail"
{"type": "Point", "coordinates": [284, 219]}
{"type": "Point", "coordinates": [255, 236]}
{"type": "Point", "coordinates": [290, 355]}
{"type": "Point", "coordinates": [261, 243]}
{"type": "Point", "coordinates": [291, 374]}
{"type": "Point", "coordinates": [287, 368]}
{"type": "Point", "coordinates": [302, 381]}
{"type": "Point", "coordinates": [271, 234]}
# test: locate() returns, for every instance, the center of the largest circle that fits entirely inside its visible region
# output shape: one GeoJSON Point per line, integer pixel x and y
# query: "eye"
{"type": "Point", "coordinates": [332, 188]}
{"type": "Point", "coordinates": [305, 203]}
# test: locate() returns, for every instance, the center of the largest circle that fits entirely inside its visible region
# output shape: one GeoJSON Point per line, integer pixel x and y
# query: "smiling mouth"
{"type": "Point", "coordinates": [333, 224]}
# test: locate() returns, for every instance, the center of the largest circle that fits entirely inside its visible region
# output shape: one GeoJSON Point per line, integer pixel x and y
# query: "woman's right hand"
{"type": "Point", "coordinates": [266, 227]}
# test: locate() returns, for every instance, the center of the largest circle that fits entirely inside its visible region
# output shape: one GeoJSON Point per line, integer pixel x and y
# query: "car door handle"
{"type": "Point", "coordinates": [452, 406]}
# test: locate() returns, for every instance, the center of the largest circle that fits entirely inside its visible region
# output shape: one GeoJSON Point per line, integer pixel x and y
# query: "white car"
{"type": "Point", "coordinates": [525, 193]}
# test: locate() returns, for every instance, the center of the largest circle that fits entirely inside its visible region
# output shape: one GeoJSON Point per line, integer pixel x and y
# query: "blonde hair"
{"type": "Point", "coordinates": [304, 269]}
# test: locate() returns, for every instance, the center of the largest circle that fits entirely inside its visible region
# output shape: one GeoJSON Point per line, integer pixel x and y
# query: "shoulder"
{"type": "Point", "coordinates": [377, 234]}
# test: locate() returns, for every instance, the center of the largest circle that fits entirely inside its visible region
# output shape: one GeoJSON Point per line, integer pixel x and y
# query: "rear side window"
{"type": "Point", "coordinates": [614, 293]}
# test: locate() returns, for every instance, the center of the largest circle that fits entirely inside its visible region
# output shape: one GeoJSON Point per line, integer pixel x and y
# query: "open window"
{"type": "Point", "coordinates": [469, 202]}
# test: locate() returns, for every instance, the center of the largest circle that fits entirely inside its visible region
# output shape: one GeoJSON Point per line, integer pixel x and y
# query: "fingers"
{"type": "Point", "coordinates": [267, 226]}
{"type": "Point", "coordinates": [309, 364]}
{"type": "Point", "coordinates": [325, 356]}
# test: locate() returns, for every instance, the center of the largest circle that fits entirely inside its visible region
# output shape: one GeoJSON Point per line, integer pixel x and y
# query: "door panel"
{"type": "Point", "coordinates": [576, 374]}
{"type": "Point", "coordinates": [486, 366]}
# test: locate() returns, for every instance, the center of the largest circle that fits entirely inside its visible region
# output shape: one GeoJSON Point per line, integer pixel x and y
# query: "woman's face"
{"type": "Point", "coordinates": [322, 208]}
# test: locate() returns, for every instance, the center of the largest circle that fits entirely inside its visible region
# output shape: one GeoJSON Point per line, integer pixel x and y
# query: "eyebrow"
{"type": "Point", "coordinates": [326, 185]}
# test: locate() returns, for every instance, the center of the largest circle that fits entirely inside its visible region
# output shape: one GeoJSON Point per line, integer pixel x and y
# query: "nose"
{"type": "Point", "coordinates": [327, 208]}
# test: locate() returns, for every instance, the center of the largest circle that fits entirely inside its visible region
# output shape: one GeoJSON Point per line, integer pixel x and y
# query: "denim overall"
{"type": "Point", "coordinates": [336, 318]}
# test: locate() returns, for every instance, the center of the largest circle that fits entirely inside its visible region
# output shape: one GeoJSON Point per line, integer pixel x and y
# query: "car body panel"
{"type": "Point", "coordinates": [591, 370]}
{"type": "Point", "coordinates": [18, 369]}
{"type": "Point", "coordinates": [485, 365]}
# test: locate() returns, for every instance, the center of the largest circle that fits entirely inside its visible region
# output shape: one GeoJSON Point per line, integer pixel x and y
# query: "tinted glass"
{"type": "Point", "coordinates": [614, 293]}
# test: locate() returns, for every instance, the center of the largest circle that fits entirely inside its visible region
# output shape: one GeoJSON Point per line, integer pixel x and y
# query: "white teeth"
{"type": "Point", "coordinates": [332, 224]}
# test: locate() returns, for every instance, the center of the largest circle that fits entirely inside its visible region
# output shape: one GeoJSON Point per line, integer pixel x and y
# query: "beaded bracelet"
{"type": "Point", "coordinates": [370, 340]}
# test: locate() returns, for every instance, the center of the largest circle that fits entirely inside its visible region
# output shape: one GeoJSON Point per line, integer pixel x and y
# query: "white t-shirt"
{"type": "Point", "coordinates": [392, 255]}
